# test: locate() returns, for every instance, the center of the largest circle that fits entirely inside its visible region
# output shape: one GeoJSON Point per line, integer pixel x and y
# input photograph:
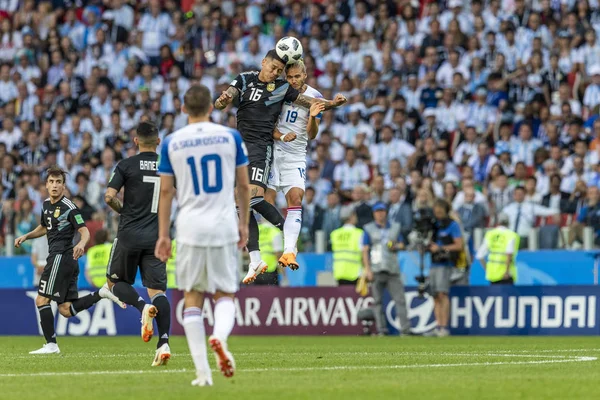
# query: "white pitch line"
{"type": "Point", "coordinates": [496, 353]}
{"type": "Point", "coordinates": [552, 360]}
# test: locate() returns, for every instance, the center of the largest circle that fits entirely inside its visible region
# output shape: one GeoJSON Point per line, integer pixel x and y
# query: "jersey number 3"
{"type": "Point", "coordinates": [212, 173]}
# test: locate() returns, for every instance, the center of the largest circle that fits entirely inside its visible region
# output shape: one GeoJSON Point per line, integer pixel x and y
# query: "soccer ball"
{"type": "Point", "coordinates": [289, 49]}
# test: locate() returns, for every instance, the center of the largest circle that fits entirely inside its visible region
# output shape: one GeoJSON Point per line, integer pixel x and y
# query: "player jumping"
{"type": "Point", "coordinates": [288, 171]}
{"type": "Point", "coordinates": [207, 160]}
{"type": "Point", "coordinates": [138, 232]}
{"type": "Point", "coordinates": [60, 219]}
{"type": "Point", "coordinates": [261, 96]}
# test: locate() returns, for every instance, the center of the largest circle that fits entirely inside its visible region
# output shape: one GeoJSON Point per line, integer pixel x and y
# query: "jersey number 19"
{"type": "Point", "coordinates": [212, 174]}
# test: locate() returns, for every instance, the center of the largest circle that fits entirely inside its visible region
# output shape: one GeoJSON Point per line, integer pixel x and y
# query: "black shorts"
{"type": "Point", "coordinates": [124, 262]}
{"type": "Point", "coordinates": [59, 279]}
{"type": "Point", "coordinates": [260, 156]}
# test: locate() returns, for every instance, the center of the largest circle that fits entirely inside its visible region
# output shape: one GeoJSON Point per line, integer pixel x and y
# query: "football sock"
{"type": "Point", "coordinates": [83, 303]}
{"type": "Point", "coordinates": [291, 229]}
{"type": "Point", "coordinates": [47, 323]}
{"type": "Point", "coordinates": [163, 318]}
{"type": "Point", "coordinates": [252, 234]}
{"type": "Point", "coordinates": [254, 256]}
{"type": "Point", "coordinates": [193, 325]}
{"type": "Point", "coordinates": [268, 211]}
{"type": "Point", "coordinates": [128, 295]}
{"type": "Point", "coordinates": [224, 317]}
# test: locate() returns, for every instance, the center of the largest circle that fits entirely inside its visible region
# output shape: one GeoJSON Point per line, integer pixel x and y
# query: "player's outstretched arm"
{"type": "Point", "coordinates": [110, 198]}
{"type": "Point", "coordinates": [79, 248]}
{"type": "Point", "coordinates": [242, 183]}
{"type": "Point", "coordinates": [312, 128]}
{"type": "Point", "coordinates": [167, 191]}
{"type": "Point", "coordinates": [226, 98]}
{"type": "Point", "coordinates": [39, 231]}
{"type": "Point", "coordinates": [307, 101]}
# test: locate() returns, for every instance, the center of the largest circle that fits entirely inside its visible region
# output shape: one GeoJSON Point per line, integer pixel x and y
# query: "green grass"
{"type": "Point", "coordinates": [310, 368]}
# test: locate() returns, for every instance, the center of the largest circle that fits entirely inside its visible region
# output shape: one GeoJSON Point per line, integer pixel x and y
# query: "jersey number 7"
{"type": "Point", "coordinates": [212, 173]}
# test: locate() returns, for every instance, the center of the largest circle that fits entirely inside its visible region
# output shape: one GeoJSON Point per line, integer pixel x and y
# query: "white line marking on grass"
{"type": "Point", "coordinates": [550, 360]}
{"type": "Point", "coordinates": [496, 353]}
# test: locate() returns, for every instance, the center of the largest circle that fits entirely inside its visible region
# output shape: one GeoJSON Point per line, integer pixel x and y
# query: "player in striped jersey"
{"type": "Point", "coordinates": [297, 124]}
{"type": "Point", "coordinates": [60, 220]}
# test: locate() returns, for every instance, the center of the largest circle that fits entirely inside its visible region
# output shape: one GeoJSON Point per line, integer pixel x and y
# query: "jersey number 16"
{"type": "Point", "coordinates": [212, 173]}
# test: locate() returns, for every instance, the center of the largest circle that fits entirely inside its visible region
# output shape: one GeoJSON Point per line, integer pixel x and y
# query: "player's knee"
{"type": "Point", "coordinates": [65, 310]}
{"type": "Point", "coordinates": [193, 299]}
{"type": "Point", "coordinates": [154, 292]}
{"type": "Point", "coordinates": [219, 295]}
{"type": "Point", "coordinates": [41, 301]}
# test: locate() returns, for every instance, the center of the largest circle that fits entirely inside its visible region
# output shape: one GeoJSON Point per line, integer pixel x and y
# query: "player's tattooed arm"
{"type": "Point", "coordinates": [226, 98]}
{"type": "Point", "coordinates": [307, 101]}
{"type": "Point", "coordinates": [110, 198]}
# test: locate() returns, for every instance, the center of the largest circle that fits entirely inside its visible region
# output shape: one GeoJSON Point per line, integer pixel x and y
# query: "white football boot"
{"type": "Point", "coordinates": [254, 270]}
{"type": "Point", "coordinates": [202, 380]}
{"type": "Point", "coordinates": [148, 315]}
{"type": "Point", "coordinates": [162, 356]}
{"type": "Point", "coordinates": [48, 348]}
{"type": "Point", "coordinates": [105, 293]}
{"type": "Point", "coordinates": [224, 358]}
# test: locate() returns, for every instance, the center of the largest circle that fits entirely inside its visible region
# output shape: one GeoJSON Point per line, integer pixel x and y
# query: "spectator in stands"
{"type": "Point", "coordinates": [25, 221]}
{"type": "Point", "coordinates": [312, 219]}
{"type": "Point", "coordinates": [531, 194]}
{"type": "Point", "coordinates": [471, 214]}
{"type": "Point", "coordinates": [589, 216]}
{"type": "Point", "coordinates": [556, 199]}
{"type": "Point", "coordinates": [522, 215]}
{"type": "Point", "coordinates": [331, 216]}
{"type": "Point", "coordinates": [360, 205]}
{"type": "Point", "coordinates": [350, 173]}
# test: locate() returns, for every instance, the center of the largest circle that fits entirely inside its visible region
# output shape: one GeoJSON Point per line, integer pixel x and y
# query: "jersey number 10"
{"type": "Point", "coordinates": [212, 173]}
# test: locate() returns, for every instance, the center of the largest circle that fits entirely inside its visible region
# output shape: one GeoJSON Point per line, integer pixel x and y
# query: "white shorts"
{"type": "Point", "coordinates": [285, 175]}
{"type": "Point", "coordinates": [207, 269]}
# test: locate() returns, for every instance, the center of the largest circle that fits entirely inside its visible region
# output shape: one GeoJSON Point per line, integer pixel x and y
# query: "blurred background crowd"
{"type": "Point", "coordinates": [492, 105]}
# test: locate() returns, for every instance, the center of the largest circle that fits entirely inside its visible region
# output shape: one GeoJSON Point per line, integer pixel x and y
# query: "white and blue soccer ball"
{"type": "Point", "coordinates": [289, 49]}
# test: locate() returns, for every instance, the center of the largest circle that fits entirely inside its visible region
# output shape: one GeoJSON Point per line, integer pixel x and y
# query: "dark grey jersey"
{"type": "Point", "coordinates": [138, 226]}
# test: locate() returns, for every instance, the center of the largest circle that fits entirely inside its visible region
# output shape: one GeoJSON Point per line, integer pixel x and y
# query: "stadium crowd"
{"type": "Point", "coordinates": [492, 105]}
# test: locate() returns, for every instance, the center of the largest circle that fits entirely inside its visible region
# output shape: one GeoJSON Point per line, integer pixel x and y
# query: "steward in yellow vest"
{"type": "Point", "coordinates": [271, 248]}
{"type": "Point", "coordinates": [346, 245]}
{"type": "Point", "coordinates": [502, 246]}
{"type": "Point", "coordinates": [267, 234]}
{"type": "Point", "coordinates": [171, 283]}
{"type": "Point", "coordinates": [98, 257]}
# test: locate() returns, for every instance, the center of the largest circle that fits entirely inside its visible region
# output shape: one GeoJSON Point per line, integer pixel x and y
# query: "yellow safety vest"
{"type": "Point", "coordinates": [98, 257]}
{"type": "Point", "coordinates": [267, 234]}
{"type": "Point", "coordinates": [497, 240]}
{"type": "Point", "coordinates": [171, 283]}
{"type": "Point", "coordinates": [347, 255]}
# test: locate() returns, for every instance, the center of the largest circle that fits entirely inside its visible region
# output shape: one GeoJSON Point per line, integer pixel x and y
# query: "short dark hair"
{"type": "Point", "coordinates": [197, 100]}
{"type": "Point", "coordinates": [272, 55]}
{"type": "Point", "coordinates": [520, 188]}
{"type": "Point", "coordinates": [146, 131]}
{"type": "Point", "coordinates": [443, 204]}
{"type": "Point", "coordinates": [55, 170]}
{"type": "Point", "coordinates": [101, 236]}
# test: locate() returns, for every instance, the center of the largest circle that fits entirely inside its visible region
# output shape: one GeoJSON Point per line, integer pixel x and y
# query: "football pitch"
{"type": "Point", "coordinates": [309, 368]}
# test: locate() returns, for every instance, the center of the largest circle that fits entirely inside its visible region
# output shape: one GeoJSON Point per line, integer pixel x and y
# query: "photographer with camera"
{"type": "Point", "coordinates": [381, 242]}
{"type": "Point", "coordinates": [446, 244]}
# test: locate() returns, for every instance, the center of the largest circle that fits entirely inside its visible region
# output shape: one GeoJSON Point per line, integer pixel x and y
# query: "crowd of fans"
{"type": "Point", "coordinates": [492, 105]}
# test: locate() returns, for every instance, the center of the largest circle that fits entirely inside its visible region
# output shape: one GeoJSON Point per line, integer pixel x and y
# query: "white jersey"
{"type": "Point", "coordinates": [294, 118]}
{"type": "Point", "coordinates": [203, 157]}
